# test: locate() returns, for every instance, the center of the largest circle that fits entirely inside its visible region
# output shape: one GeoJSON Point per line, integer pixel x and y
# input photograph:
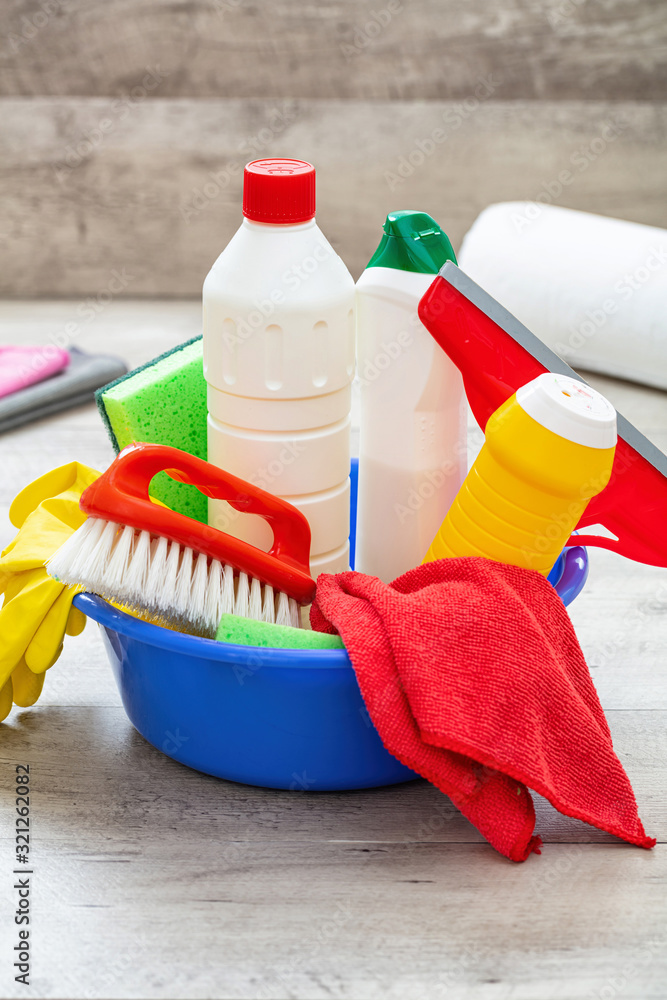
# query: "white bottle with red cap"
{"type": "Point", "coordinates": [279, 361]}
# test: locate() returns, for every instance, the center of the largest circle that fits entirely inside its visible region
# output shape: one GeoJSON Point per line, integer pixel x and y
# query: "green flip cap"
{"type": "Point", "coordinates": [412, 241]}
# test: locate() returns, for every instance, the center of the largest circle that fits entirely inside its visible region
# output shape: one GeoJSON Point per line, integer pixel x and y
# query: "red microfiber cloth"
{"type": "Point", "coordinates": [473, 676]}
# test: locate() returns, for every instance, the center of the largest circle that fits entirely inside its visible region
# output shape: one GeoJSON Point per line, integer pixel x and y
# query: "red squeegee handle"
{"type": "Point", "coordinates": [121, 495]}
{"type": "Point", "coordinates": [633, 506]}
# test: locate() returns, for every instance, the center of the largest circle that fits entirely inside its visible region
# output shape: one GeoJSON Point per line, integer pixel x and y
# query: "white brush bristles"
{"type": "Point", "coordinates": [287, 611]}
{"type": "Point", "coordinates": [242, 598]}
{"type": "Point", "coordinates": [268, 605]}
{"type": "Point", "coordinates": [186, 589]}
{"type": "Point", "coordinates": [255, 600]}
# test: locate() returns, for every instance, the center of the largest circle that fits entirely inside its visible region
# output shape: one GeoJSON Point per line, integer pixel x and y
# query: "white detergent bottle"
{"type": "Point", "coordinates": [279, 362]}
{"type": "Point", "coordinates": [412, 445]}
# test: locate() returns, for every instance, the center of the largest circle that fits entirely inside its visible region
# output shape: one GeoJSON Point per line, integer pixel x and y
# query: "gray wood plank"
{"type": "Point", "coordinates": [153, 881]}
{"type": "Point", "coordinates": [100, 204]}
{"type": "Point", "coordinates": [430, 49]}
{"type": "Point", "coordinates": [310, 921]}
{"type": "Point", "coordinates": [89, 752]}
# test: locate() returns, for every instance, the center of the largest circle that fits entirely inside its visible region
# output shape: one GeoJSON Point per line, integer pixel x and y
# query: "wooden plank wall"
{"type": "Point", "coordinates": [125, 123]}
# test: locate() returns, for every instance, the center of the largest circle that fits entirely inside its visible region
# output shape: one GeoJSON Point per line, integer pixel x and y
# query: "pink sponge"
{"type": "Point", "coordinates": [23, 366]}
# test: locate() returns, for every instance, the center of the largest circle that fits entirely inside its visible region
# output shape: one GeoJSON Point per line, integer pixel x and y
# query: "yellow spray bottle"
{"type": "Point", "coordinates": [548, 450]}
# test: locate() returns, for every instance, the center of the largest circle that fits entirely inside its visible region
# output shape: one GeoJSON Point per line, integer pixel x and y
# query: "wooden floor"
{"type": "Point", "coordinates": [152, 880]}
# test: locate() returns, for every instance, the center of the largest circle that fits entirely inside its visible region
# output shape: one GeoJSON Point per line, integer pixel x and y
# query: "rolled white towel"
{"type": "Point", "coordinates": [594, 289]}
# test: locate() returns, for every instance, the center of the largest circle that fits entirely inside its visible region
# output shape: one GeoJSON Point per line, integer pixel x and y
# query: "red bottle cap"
{"type": "Point", "coordinates": [279, 191]}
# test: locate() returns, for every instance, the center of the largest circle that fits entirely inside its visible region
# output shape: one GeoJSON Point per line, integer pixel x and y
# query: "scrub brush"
{"type": "Point", "coordinates": [181, 572]}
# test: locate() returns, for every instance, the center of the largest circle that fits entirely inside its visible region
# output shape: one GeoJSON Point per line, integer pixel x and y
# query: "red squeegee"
{"type": "Point", "coordinates": [496, 355]}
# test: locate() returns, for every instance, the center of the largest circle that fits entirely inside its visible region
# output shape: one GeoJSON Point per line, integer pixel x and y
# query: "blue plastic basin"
{"type": "Point", "coordinates": [278, 718]}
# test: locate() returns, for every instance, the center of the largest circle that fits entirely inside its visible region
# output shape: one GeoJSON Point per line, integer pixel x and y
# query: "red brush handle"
{"type": "Point", "coordinates": [121, 495]}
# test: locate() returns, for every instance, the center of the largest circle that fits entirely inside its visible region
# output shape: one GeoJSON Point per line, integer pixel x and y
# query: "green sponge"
{"type": "Point", "coordinates": [248, 632]}
{"type": "Point", "coordinates": [162, 402]}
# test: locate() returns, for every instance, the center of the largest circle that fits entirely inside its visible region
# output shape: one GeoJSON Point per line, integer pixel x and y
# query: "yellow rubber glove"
{"type": "Point", "coordinates": [37, 610]}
